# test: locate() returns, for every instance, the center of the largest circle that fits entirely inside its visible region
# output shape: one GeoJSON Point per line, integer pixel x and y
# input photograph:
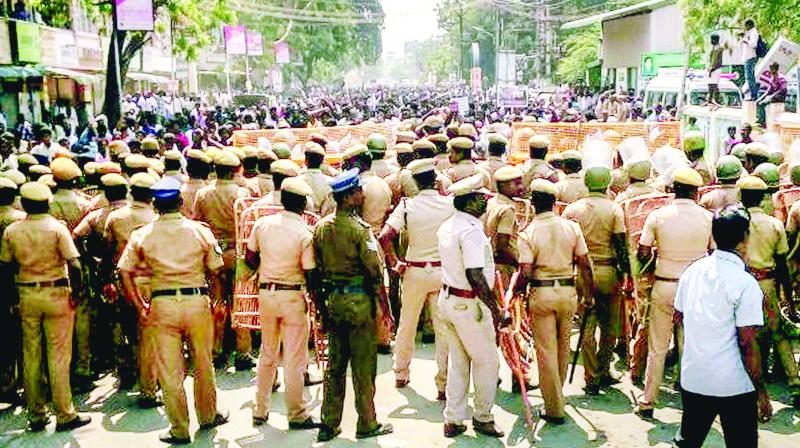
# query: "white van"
{"type": "Point", "coordinates": [664, 90]}
{"type": "Point", "coordinates": [714, 125]}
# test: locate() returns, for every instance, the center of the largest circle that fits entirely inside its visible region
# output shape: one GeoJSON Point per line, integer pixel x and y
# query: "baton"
{"type": "Point", "coordinates": [585, 319]}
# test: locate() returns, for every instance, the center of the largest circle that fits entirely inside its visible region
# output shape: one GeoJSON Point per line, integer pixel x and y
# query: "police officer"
{"type": "Point", "coordinates": [280, 250]}
{"type": "Point", "coordinates": [468, 307]}
{"type": "Point", "coordinates": [419, 218]}
{"type": "Point", "coordinates": [768, 172]}
{"type": "Point", "coordinates": [135, 346]}
{"type": "Point", "coordinates": [281, 169]}
{"type": "Point", "coordinates": [551, 250]}
{"type": "Point", "coordinates": [496, 150]}
{"type": "Point", "coordinates": [376, 143]}
{"type": "Point", "coordinates": [501, 219]}
{"type": "Point", "coordinates": [265, 158]}
{"type": "Point", "coordinates": [462, 165]}
{"type": "Point", "coordinates": [48, 280]}
{"type": "Point", "coordinates": [352, 280]}
{"type": "Point", "coordinates": [694, 145]}
{"type": "Point", "coordinates": [572, 187]}
{"type": "Point", "coordinates": [10, 362]}
{"type": "Point", "coordinates": [214, 206]}
{"type": "Point", "coordinates": [173, 164]}
{"type": "Point", "coordinates": [198, 167]}
{"type": "Point", "coordinates": [536, 167]}
{"type": "Point", "coordinates": [638, 173]}
{"type": "Point", "coordinates": [442, 151]}
{"type": "Point", "coordinates": [729, 169]}
{"type": "Point", "coordinates": [682, 233]}
{"type": "Point", "coordinates": [68, 206]}
{"type": "Point", "coordinates": [603, 226]}
{"type": "Point", "coordinates": [755, 154]}
{"type": "Point", "coordinates": [180, 254]}
{"type": "Point", "coordinates": [401, 182]}
{"type": "Point", "coordinates": [766, 259]}
{"type": "Point", "coordinates": [322, 197]}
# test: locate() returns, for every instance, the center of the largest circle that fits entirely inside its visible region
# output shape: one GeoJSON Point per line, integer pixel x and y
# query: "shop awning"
{"type": "Point", "coordinates": [81, 77]}
{"type": "Point", "coordinates": [138, 76]}
{"type": "Point", "coordinates": [16, 71]}
{"type": "Point", "coordinates": [638, 8]}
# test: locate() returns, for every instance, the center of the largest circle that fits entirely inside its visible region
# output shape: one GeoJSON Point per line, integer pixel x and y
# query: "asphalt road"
{"type": "Point", "coordinates": [602, 421]}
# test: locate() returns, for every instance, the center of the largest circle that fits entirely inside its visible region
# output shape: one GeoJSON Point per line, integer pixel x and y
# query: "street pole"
{"type": "Point", "coordinates": [460, 40]}
{"type": "Point", "coordinates": [227, 73]}
{"type": "Point", "coordinates": [497, 58]}
{"type": "Point", "coordinates": [117, 73]}
{"type": "Point", "coordinates": [686, 56]}
{"type": "Point", "coordinates": [248, 84]}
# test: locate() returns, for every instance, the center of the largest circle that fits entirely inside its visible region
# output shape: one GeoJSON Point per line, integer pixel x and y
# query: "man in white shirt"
{"type": "Point", "coordinates": [720, 307]}
{"type": "Point", "coordinates": [748, 46]}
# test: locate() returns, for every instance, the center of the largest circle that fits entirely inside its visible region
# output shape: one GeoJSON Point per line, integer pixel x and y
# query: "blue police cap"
{"type": "Point", "coordinates": [345, 181]}
{"type": "Point", "coordinates": [166, 188]}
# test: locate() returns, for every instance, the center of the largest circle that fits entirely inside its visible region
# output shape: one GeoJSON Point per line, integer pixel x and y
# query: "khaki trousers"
{"type": "Point", "coordinates": [659, 334]}
{"type": "Point", "coordinates": [48, 311]}
{"type": "Point", "coordinates": [83, 365]}
{"type": "Point", "coordinates": [606, 315]}
{"type": "Point", "coordinates": [420, 289]}
{"type": "Point", "coordinates": [148, 347]}
{"type": "Point", "coordinates": [470, 334]}
{"type": "Point", "coordinates": [551, 312]}
{"type": "Point", "coordinates": [175, 318]}
{"type": "Point", "coordinates": [222, 313]}
{"type": "Point", "coordinates": [283, 321]}
{"type": "Point", "coordinates": [772, 333]}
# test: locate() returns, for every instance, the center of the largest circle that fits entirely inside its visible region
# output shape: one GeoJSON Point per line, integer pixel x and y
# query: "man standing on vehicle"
{"type": "Point", "coordinates": [714, 70]}
{"type": "Point", "coordinates": [748, 44]}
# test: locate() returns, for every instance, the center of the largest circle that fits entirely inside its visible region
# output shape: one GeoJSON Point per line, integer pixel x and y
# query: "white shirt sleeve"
{"type": "Point", "coordinates": [397, 219]}
{"type": "Point", "coordinates": [749, 310]}
{"type": "Point", "coordinates": [472, 249]}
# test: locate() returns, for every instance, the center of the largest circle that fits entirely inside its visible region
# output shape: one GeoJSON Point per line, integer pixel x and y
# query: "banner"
{"type": "Point", "coordinates": [255, 43]}
{"type": "Point", "coordinates": [28, 48]}
{"type": "Point", "coordinates": [235, 39]}
{"type": "Point", "coordinates": [281, 52]}
{"type": "Point", "coordinates": [135, 15]}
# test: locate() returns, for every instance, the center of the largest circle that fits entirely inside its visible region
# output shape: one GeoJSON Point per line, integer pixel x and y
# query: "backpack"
{"type": "Point", "coordinates": [761, 48]}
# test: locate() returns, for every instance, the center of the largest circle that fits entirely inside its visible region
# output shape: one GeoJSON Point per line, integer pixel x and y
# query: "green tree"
{"type": "Point", "coordinates": [580, 49]}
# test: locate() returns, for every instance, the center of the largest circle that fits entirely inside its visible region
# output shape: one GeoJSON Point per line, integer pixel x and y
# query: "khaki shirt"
{"type": "Point", "coordinates": [189, 193]}
{"type": "Point", "coordinates": [420, 217]}
{"type": "Point", "coordinates": [377, 200]}
{"type": "Point", "coordinates": [682, 233]}
{"type": "Point", "coordinates": [767, 239]}
{"type": "Point", "coordinates": [284, 244]}
{"type": "Point", "coordinates": [793, 220]}
{"type": "Point", "coordinates": [68, 206]}
{"type": "Point", "coordinates": [463, 170]}
{"type": "Point", "coordinates": [501, 219]}
{"type": "Point", "coordinates": [442, 162]}
{"type": "Point", "coordinates": [408, 185]}
{"type": "Point", "coordinates": [9, 215]}
{"type": "Point", "coordinates": [393, 181]}
{"type": "Point", "coordinates": [538, 169]}
{"type": "Point", "coordinates": [41, 246]}
{"type": "Point", "coordinates": [177, 250]}
{"type": "Point", "coordinates": [323, 195]}
{"type": "Point", "coordinates": [635, 189]}
{"type": "Point", "coordinates": [98, 202]}
{"type": "Point", "coordinates": [123, 221]}
{"type": "Point", "coordinates": [94, 223]}
{"type": "Point", "coordinates": [346, 251]}
{"type": "Point", "coordinates": [706, 173]}
{"type": "Point", "coordinates": [551, 243]}
{"type": "Point", "coordinates": [464, 245]}
{"type": "Point", "coordinates": [214, 206]}
{"type": "Point", "coordinates": [725, 195]}
{"type": "Point", "coordinates": [599, 218]}
{"type": "Point", "coordinates": [619, 181]}
{"type": "Point", "coordinates": [383, 168]}
{"type": "Point", "coordinates": [490, 165]}
{"type": "Point", "coordinates": [265, 184]}
{"type": "Point", "coordinates": [274, 198]}
{"type": "Point", "coordinates": [248, 184]}
{"type": "Point", "coordinates": [572, 188]}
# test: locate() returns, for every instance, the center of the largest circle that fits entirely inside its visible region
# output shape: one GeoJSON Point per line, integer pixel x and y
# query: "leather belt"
{"type": "Point", "coordinates": [280, 287]}
{"type": "Point", "coordinates": [45, 284]}
{"type": "Point", "coordinates": [665, 279]}
{"type": "Point", "coordinates": [424, 264]}
{"type": "Point", "coordinates": [552, 283]}
{"type": "Point", "coordinates": [180, 291]}
{"type": "Point", "coordinates": [463, 293]}
{"type": "Point", "coordinates": [763, 274]}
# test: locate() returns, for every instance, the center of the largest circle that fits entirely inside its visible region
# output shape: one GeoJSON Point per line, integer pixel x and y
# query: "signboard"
{"type": "Point", "coordinates": [255, 43]}
{"type": "Point", "coordinates": [654, 63]}
{"type": "Point", "coordinates": [28, 48]}
{"type": "Point", "coordinates": [5, 44]}
{"type": "Point", "coordinates": [784, 52]}
{"type": "Point", "coordinates": [460, 104]}
{"type": "Point", "coordinates": [134, 15]}
{"type": "Point", "coordinates": [512, 96]}
{"type": "Point", "coordinates": [88, 50]}
{"type": "Point", "coordinates": [506, 67]}
{"type": "Point", "coordinates": [282, 52]}
{"type": "Point", "coordinates": [58, 48]}
{"type": "Point", "coordinates": [235, 39]}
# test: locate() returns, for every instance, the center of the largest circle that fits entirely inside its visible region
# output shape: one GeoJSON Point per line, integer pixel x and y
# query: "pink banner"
{"type": "Point", "coordinates": [134, 15]}
{"type": "Point", "coordinates": [255, 43]}
{"type": "Point", "coordinates": [282, 53]}
{"type": "Point", "coordinates": [235, 39]}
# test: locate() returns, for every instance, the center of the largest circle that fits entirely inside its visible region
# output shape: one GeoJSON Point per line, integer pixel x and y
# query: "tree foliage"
{"type": "Point", "coordinates": [580, 49]}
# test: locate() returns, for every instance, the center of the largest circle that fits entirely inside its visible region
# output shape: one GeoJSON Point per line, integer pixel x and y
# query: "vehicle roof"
{"type": "Point", "coordinates": [673, 83]}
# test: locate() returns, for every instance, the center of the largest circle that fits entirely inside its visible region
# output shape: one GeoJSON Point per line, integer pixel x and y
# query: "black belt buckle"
{"type": "Point", "coordinates": [45, 284]}
{"type": "Point", "coordinates": [182, 291]}
{"type": "Point", "coordinates": [280, 287]}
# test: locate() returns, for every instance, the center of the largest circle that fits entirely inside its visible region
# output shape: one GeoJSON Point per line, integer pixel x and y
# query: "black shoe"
{"type": "Point", "coordinates": [11, 397]}
{"type": "Point", "coordinates": [796, 401]}
{"type": "Point", "coordinates": [126, 382]}
{"type": "Point", "coordinates": [276, 384]}
{"type": "Point", "coordinates": [553, 420]}
{"type": "Point", "coordinates": [399, 384]}
{"type": "Point", "coordinates": [607, 381]}
{"type": "Point", "coordinates": [644, 413]}
{"type": "Point", "coordinates": [77, 422]}
{"type": "Point", "coordinates": [515, 387]}
{"type": "Point", "coordinates": [384, 349]}
{"type": "Point", "coordinates": [260, 421]}
{"type": "Point", "coordinates": [170, 439]}
{"type": "Point", "coordinates": [37, 426]}
{"type": "Point", "coordinates": [84, 383]}
{"type": "Point", "coordinates": [380, 430]}
{"type": "Point", "coordinates": [220, 419]}
{"type": "Point", "coordinates": [325, 433]}
{"type": "Point", "coordinates": [244, 363]}
{"type": "Point", "coordinates": [454, 430]}
{"type": "Point", "coordinates": [487, 429]}
{"type": "Point", "coordinates": [592, 389]}
{"type": "Point", "coordinates": [309, 380]}
{"type": "Point", "coordinates": [441, 396]}
{"type": "Point", "coordinates": [308, 423]}
{"type": "Point", "coordinates": [220, 362]}
{"type": "Point", "coordinates": [428, 338]}
{"type": "Point", "coordinates": [148, 402]}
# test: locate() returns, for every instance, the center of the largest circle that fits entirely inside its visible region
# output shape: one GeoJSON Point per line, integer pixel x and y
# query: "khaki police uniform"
{"type": "Point", "coordinates": [600, 218]}
{"type": "Point", "coordinates": [179, 252]}
{"type": "Point", "coordinates": [468, 322]}
{"type": "Point", "coordinates": [682, 233]}
{"type": "Point", "coordinates": [68, 206]}
{"type": "Point", "coordinates": [284, 244]}
{"type": "Point", "coordinates": [501, 219]}
{"type": "Point", "coordinates": [214, 206]}
{"type": "Point", "coordinates": [41, 247]}
{"type": "Point", "coordinates": [724, 196]}
{"type": "Point", "coordinates": [551, 244]}
{"type": "Point", "coordinates": [538, 169]}
{"type": "Point", "coordinates": [420, 217]}
{"type": "Point", "coordinates": [489, 166]}
{"type": "Point", "coordinates": [707, 173]}
{"type": "Point", "coordinates": [635, 189]}
{"type": "Point", "coordinates": [9, 316]}
{"type": "Point", "coordinates": [323, 195]}
{"type": "Point", "coordinates": [189, 191]}
{"type": "Point", "coordinates": [571, 188]}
